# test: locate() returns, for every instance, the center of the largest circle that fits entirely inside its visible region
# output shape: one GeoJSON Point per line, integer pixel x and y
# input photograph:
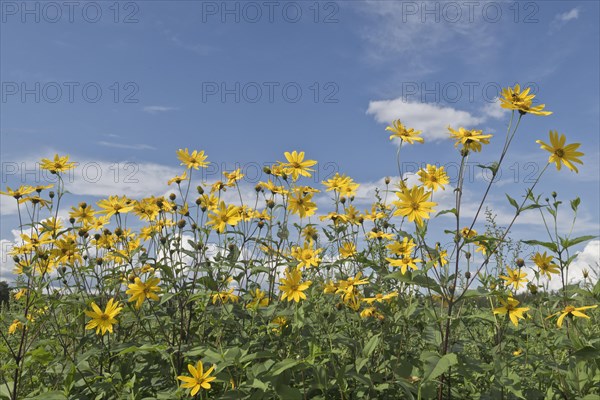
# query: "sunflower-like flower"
{"type": "Point", "coordinates": [515, 277]}
{"type": "Point", "coordinates": [414, 204]}
{"type": "Point", "coordinates": [199, 379]}
{"type": "Point", "coordinates": [292, 287]}
{"type": "Point", "coordinates": [103, 320]}
{"type": "Point", "coordinates": [140, 291]}
{"type": "Point", "coordinates": [571, 311]}
{"type": "Point", "coordinates": [561, 153]}
{"type": "Point", "coordinates": [296, 165]}
{"type": "Point", "coordinates": [58, 164]}
{"type": "Point", "coordinates": [510, 307]}
{"type": "Point", "coordinates": [433, 177]}
{"type": "Point", "coordinates": [194, 160]}
{"type": "Point", "coordinates": [515, 99]}
{"type": "Point", "coordinates": [544, 263]}
{"type": "Point", "coordinates": [403, 133]}
{"type": "Point", "coordinates": [471, 139]}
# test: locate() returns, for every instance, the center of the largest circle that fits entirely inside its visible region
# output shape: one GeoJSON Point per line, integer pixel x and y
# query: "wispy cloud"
{"type": "Point", "coordinates": [569, 15]}
{"type": "Point", "coordinates": [139, 146]}
{"type": "Point", "coordinates": [562, 19]}
{"type": "Point", "coordinates": [432, 119]}
{"type": "Point", "coordinates": [157, 109]}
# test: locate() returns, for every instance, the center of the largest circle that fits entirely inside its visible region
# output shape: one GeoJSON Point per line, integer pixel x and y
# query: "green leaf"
{"type": "Point", "coordinates": [587, 353]}
{"type": "Point", "coordinates": [575, 203]}
{"type": "Point", "coordinates": [436, 365]}
{"type": "Point", "coordinates": [566, 243]}
{"type": "Point", "coordinates": [371, 345]}
{"type": "Point", "coordinates": [513, 202]}
{"type": "Point", "coordinates": [549, 245]}
{"type": "Point", "coordinates": [450, 211]}
{"type": "Point", "coordinates": [283, 365]}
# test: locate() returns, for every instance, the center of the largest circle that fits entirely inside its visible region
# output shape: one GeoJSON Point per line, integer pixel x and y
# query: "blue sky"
{"type": "Point", "coordinates": [121, 88]}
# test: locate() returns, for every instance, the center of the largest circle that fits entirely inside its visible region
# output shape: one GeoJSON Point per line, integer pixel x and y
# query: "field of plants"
{"type": "Point", "coordinates": [188, 295]}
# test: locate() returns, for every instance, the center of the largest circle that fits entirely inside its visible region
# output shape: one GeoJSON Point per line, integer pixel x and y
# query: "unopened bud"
{"type": "Point", "coordinates": [520, 262]}
{"type": "Point", "coordinates": [200, 189]}
{"type": "Point", "coordinates": [172, 196]}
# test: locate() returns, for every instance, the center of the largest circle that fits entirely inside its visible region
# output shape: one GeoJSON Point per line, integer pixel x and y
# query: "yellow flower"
{"type": "Point", "coordinates": [23, 190]}
{"type": "Point", "coordinates": [470, 139]}
{"type": "Point", "coordinates": [433, 177]}
{"type": "Point", "coordinates": [341, 183]}
{"type": "Point", "coordinates": [14, 326]}
{"type": "Point", "coordinates": [408, 135]}
{"type": "Point", "coordinates": [560, 153]}
{"type": "Point", "coordinates": [515, 99]}
{"type": "Point", "coordinates": [403, 248]}
{"type": "Point", "coordinates": [20, 293]}
{"type": "Point", "coordinates": [223, 216]}
{"type": "Point", "coordinates": [291, 286]}
{"type": "Point", "coordinates": [233, 177]}
{"type": "Point", "coordinates": [347, 249]}
{"type": "Point", "coordinates": [468, 233]}
{"type": "Point", "coordinates": [259, 299]}
{"type": "Point", "coordinates": [199, 379]}
{"type": "Point", "coordinates": [139, 291]}
{"type": "Point", "coordinates": [379, 298]}
{"type": "Point", "coordinates": [115, 205]}
{"type": "Point", "coordinates": [404, 263]}
{"type": "Point", "coordinates": [510, 307]}
{"type": "Point", "coordinates": [544, 263]}
{"type": "Point", "coordinates": [59, 164]}
{"type": "Point", "coordinates": [178, 178]}
{"type": "Point", "coordinates": [296, 165]}
{"type": "Point", "coordinates": [572, 311]}
{"type": "Point", "coordinates": [301, 204]}
{"type": "Point", "coordinates": [103, 320]}
{"type": "Point", "coordinates": [515, 277]}
{"type": "Point", "coordinates": [347, 288]}
{"type": "Point", "coordinates": [195, 160]}
{"type": "Point", "coordinates": [306, 256]}
{"type": "Point", "coordinates": [225, 297]}
{"type": "Point", "coordinates": [380, 235]}
{"type": "Point", "coordinates": [517, 352]}
{"type": "Point", "coordinates": [281, 323]}
{"type": "Point", "coordinates": [413, 203]}
{"type": "Point", "coordinates": [84, 213]}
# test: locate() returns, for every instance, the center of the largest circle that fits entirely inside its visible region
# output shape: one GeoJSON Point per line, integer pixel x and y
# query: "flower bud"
{"type": "Point", "coordinates": [51, 194]}
{"type": "Point", "coordinates": [71, 220]}
{"type": "Point", "coordinates": [181, 223]}
{"type": "Point", "coordinates": [468, 275]}
{"type": "Point", "coordinates": [172, 196]}
{"type": "Point", "coordinates": [200, 189]}
{"type": "Point", "coordinates": [387, 180]}
{"type": "Point", "coordinates": [520, 262]}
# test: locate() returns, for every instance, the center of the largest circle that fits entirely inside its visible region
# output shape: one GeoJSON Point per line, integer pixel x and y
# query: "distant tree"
{"type": "Point", "coordinates": [4, 295]}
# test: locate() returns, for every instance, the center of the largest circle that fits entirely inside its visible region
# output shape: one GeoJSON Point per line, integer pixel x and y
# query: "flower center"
{"type": "Point", "coordinates": [559, 153]}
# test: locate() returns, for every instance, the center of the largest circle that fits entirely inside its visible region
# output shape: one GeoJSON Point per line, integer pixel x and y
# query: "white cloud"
{"type": "Point", "coordinates": [8, 205]}
{"type": "Point", "coordinates": [569, 15]}
{"type": "Point", "coordinates": [432, 119]}
{"type": "Point", "coordinates": [419, 31]}
{"type": "Point", "coordinates": [588, 259]}
{"type": "Point", "coordinates": [157, 109]}
{"type": "Point", "coordinates": [139, 146]}
{"type": "Point", "coordinates": [493, 110]}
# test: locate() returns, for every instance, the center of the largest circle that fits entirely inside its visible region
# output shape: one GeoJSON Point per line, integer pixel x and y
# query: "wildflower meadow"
{"type": "Point", "coordinates": [191, 296]}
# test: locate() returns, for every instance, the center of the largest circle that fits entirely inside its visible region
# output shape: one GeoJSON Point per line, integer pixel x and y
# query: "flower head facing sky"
{"type": "Point", "coordinates": [560, 153]}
